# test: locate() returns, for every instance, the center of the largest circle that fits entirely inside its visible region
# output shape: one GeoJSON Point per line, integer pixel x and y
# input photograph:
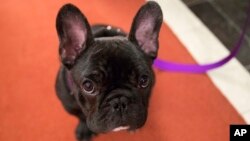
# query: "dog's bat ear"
{"type": "Point", "coordinates": [74, 33]}
{"type": "Point", "coordinates": [145, 28]}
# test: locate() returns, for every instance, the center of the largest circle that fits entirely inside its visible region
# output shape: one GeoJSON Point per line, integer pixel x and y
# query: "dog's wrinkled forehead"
{"type": "Point", "coordinates": [113, 55]}
{"type": "Point", "coordinates": [117, 52]}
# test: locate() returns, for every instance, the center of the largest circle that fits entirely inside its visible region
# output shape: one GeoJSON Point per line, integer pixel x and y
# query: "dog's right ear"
{"type": "Point", "coordinates": [146, 27]}
{"type": "Point", "coordinates": [74, 34]}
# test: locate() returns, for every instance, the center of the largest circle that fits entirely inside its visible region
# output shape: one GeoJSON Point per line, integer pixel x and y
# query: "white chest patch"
{"type": "Point", "coordinates": [120, 128]}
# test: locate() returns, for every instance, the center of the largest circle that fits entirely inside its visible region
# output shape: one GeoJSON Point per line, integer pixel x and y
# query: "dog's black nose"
{"type": "Point", "coordinates": [119, 104]}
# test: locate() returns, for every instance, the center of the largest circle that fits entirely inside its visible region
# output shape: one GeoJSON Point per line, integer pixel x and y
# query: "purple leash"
{"type": "Point", "coordinates": [196, 68]}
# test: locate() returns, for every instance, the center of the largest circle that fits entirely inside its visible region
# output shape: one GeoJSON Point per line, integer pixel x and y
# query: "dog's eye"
{"type": "Point", "coordinates": [88, 86]}
{"type": "Point", "coordinates": [143, 81]}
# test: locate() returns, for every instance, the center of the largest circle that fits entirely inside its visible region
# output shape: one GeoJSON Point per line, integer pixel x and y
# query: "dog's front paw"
{"type": "Point", "coordinates": [83, 133]}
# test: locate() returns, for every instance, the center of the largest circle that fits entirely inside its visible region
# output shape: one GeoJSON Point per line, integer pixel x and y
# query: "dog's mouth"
{"type": "Point", "coordinates": [108, 120]}
{"type": "Point", "coordinates": [120, 128]}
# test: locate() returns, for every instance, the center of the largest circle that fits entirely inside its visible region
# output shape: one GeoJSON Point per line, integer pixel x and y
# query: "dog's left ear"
{"type": "Point", "coordinates": [74, 34]}
{"type": "Point", "coordinates": [145, 28]}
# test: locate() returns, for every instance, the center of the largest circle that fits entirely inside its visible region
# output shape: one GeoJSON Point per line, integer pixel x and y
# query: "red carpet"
{"type": "Point", "coordinates": [184, 107]}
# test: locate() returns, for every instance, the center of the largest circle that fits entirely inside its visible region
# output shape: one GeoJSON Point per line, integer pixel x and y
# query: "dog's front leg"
{"type": "Point", "coordinates": [82, 131]}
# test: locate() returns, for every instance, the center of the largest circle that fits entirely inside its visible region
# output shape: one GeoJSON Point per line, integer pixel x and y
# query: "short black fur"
{"type": "Point", "coordinates": [106, 78]}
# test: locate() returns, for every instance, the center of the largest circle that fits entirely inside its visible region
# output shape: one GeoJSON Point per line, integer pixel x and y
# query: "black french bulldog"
{"type": "Point", "coordinates": [106, 77]}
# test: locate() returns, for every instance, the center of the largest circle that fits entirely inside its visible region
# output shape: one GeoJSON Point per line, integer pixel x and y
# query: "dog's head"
{"type": "Point", "coordinates": [113, 76]}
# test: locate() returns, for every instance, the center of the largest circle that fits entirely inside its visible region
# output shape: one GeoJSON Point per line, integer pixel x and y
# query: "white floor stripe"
{"type": "Point", "coordinates": [247, 117]}
{"type": "Point", "coordinates": [232, 79]}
